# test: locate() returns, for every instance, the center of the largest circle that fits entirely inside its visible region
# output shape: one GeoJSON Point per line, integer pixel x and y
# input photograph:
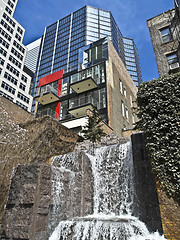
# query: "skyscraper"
{"type": "Point", "coordinates": [63, 39]}
{"type": "Point", "coordinates": [32, 53]}
{"type": "Point", "coordinates": [14, 80]}
{"type": "Point", "coordinates": [101, 81]}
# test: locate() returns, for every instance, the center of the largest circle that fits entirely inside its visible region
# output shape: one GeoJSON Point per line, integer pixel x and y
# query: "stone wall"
{"type": "Point", "coordinates": [31, 141]}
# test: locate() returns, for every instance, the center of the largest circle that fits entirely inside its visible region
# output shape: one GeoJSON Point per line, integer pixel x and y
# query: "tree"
{"type": "Point", "coordinates": [159, 113]}
{"type": "Point", "coordinates": [93, 130]}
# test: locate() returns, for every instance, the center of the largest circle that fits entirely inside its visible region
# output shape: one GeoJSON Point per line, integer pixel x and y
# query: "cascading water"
{"type": "Point", "coordinates": [111, 218]}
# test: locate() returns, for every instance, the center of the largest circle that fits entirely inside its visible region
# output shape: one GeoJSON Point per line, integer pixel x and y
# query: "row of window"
{"type": "Point", "coordinates": [8, 10]}
{"type": "Point", "coordinates": [20, 30]}
{"type": "Point", "coordinates": [6, 96]}
{"type": "Point", "coordinates": [3, 52]}
{"type": "Point", "coordinates": [22, 87]}
{"type": "Point", "coordinates": [10, 4]}
{"type": "Point", "coordinates": [126, 46]}
{"type": "Point", "coordinates": [130, 59]}
{"type": "Point", "coordinates": [23, 97]}
{"type": "Point", "coordinates": [8, 19]}
{"type": "Point", "coordinates": [22, 105]}
{"type": "Point", "coordinates": [79, 12]}
{"type": "Point", "coordinates": [13, 70]}
{"type": "Point", "coordinates": [10, 78]}
{"type": "Point", "coordinates": [17, 54]}
{"type": "Point", "coordinates": [2, 61]}
{"type": "Point", "coordinates": [24, 78]}
{"type": "Point", "coordinates": [131, 68]}
{"type": "Point", "coordinates": [8, 88]}
{"type": "Point", "coordinates": [3, 33]}
{"type": "Point", "coordinates": [5, 25]}
{"type": "Point", "coordinates": [4, 43]}
{"type": "Point", "coordinates": [59, 54]}
{"type": "Point", "coordinates": [14, 61]}
{"type": "Point", "coordinates": [18, 37]}
{"type": "Point", "coordinates": [18, 46]}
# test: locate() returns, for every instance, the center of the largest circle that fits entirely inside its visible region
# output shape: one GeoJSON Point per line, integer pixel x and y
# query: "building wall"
{"type": "Point", "coordinates": [161, 50]}
{"type": "Point", "coordinates": [14, 82]}
{"type": "Point", "coordinates": [116, 71]}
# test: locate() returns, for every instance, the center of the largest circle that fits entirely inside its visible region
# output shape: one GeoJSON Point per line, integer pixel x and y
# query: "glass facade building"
{"type": "Point", "coordinates": [62, 40]}
{"type": "Point", "coordinates": [132, 60]}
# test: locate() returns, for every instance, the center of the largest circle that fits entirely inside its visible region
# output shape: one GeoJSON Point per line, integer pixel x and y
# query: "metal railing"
{"type": "Point", "coordinates": [45, 112]}
{"type": "Point", "coordinates": [77, 102]}
{"type": "Point", "coordinates": [48, 88]}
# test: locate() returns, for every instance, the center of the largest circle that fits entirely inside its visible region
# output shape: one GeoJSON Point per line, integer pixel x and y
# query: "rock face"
{"type": "Point", "coordinates": [41, 195]}
{"type": "Point", "coordinates": [28, 202]}
{"type": "Point", "coordinates": [24, 143]}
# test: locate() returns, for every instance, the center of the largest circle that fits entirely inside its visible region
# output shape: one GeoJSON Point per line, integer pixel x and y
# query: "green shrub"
{"type": "Point", "coordinates": [158, 104]}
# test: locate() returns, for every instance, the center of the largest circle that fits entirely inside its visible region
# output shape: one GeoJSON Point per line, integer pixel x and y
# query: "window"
{"type": "Point", "coordinates": [23, 97]}
{"type": "Point", "coordinates": [13, 70]}
{"type": "Point", "coordinates": [166, 35]}
{"type": "Point", "coordinates": [14, 61]}
{"type": "Point", "coordinates": [8, 10]}
{"type": "Point", "coordinates": [8, 88]}
{"type": "Point", "coordinates": [173, 60]}
{"type": "Point", "coordinates": [10, 4]}
{"type": "Point", "coordinates": [1, 61]}
{"type": "Point", "coordinates": [22, 87]}
{"type": "Point", "coordinates": [20, 30]}
{"type": "Point", "coordinates": [127, 113]}
{"type": "Point", "coordinates": [17, 54]}
{"type": "Point", "coordinates": [9, 19]}
{"type": "Point", "coordinates": [5, 25]}
{"type": "Point", "coordinates": [10, 78]}
{"type": "Point", "coordinates": [124, 91]}
{"type": "Point", "coordinates": [18, 46]}
{"type": "Point", "coordinates": [121, 86]}
{"type": "Point", "coordinates": [3, 33]}
{"type": "Point", "coordinates": [24, 78]}
{"type": "Point", "coordinates": [122, 109]}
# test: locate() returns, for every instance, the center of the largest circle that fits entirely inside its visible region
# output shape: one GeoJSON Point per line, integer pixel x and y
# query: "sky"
{"type": "Point", "coordinates": [130, 15]}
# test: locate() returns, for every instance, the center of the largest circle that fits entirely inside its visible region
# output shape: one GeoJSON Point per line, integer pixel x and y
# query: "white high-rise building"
{"type": "Point", "coordinates": [32, 54]}
{"type": "Point", "coordinates": [14, 81]}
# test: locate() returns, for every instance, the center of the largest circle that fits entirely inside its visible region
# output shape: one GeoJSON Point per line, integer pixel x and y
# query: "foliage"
{"type": "Point", "coordinates": [159, 113]}
{"type": "Point", "coordinates": [93, 129]}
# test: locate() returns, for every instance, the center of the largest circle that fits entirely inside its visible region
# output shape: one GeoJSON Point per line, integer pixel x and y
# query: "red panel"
{"type": "Point", "coordinates": [59, 88]}
{"type": "Point", "coordinates": [57, 112]}
{"type": "Point", "coordinates": [51, 78]}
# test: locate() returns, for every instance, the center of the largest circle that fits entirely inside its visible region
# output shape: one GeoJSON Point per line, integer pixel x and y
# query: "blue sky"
{"type": "Point", "coordinates": [130, 15]}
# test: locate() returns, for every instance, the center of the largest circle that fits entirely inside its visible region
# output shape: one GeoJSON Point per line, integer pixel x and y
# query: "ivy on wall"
{"type": "Point", "coordinates": [158, 109]}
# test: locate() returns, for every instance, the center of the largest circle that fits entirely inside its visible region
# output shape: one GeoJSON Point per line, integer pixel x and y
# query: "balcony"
{"type": "Point", "coordinates": [48, 94]}
{"type": "Point", "coordinates": [45, 112]}
{"type": "Point", "coordinates": [83, 85]}
{"type": "Point", "coordinates": [78, 106]}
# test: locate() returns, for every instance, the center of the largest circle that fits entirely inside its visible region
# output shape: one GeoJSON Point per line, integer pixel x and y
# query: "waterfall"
{"type": "Point", "coordinates": [112, 212]}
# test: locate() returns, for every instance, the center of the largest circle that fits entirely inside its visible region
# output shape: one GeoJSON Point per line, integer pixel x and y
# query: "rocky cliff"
{"type": "Point", "coordinates": [28, 142]}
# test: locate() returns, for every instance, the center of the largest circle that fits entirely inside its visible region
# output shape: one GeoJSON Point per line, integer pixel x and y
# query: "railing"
{"type": "Point", "coordinates": [77, 102]}
{"type": "Point", "coordinates": [48, 88]}
{"type": "Point", "coordinates": [45, 112]}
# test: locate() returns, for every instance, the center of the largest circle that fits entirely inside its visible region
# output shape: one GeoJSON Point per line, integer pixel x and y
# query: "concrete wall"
{"type": "Point", "coordinates": [166, 19]}
{"type": "Point", "coordinates": [116, 71]}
